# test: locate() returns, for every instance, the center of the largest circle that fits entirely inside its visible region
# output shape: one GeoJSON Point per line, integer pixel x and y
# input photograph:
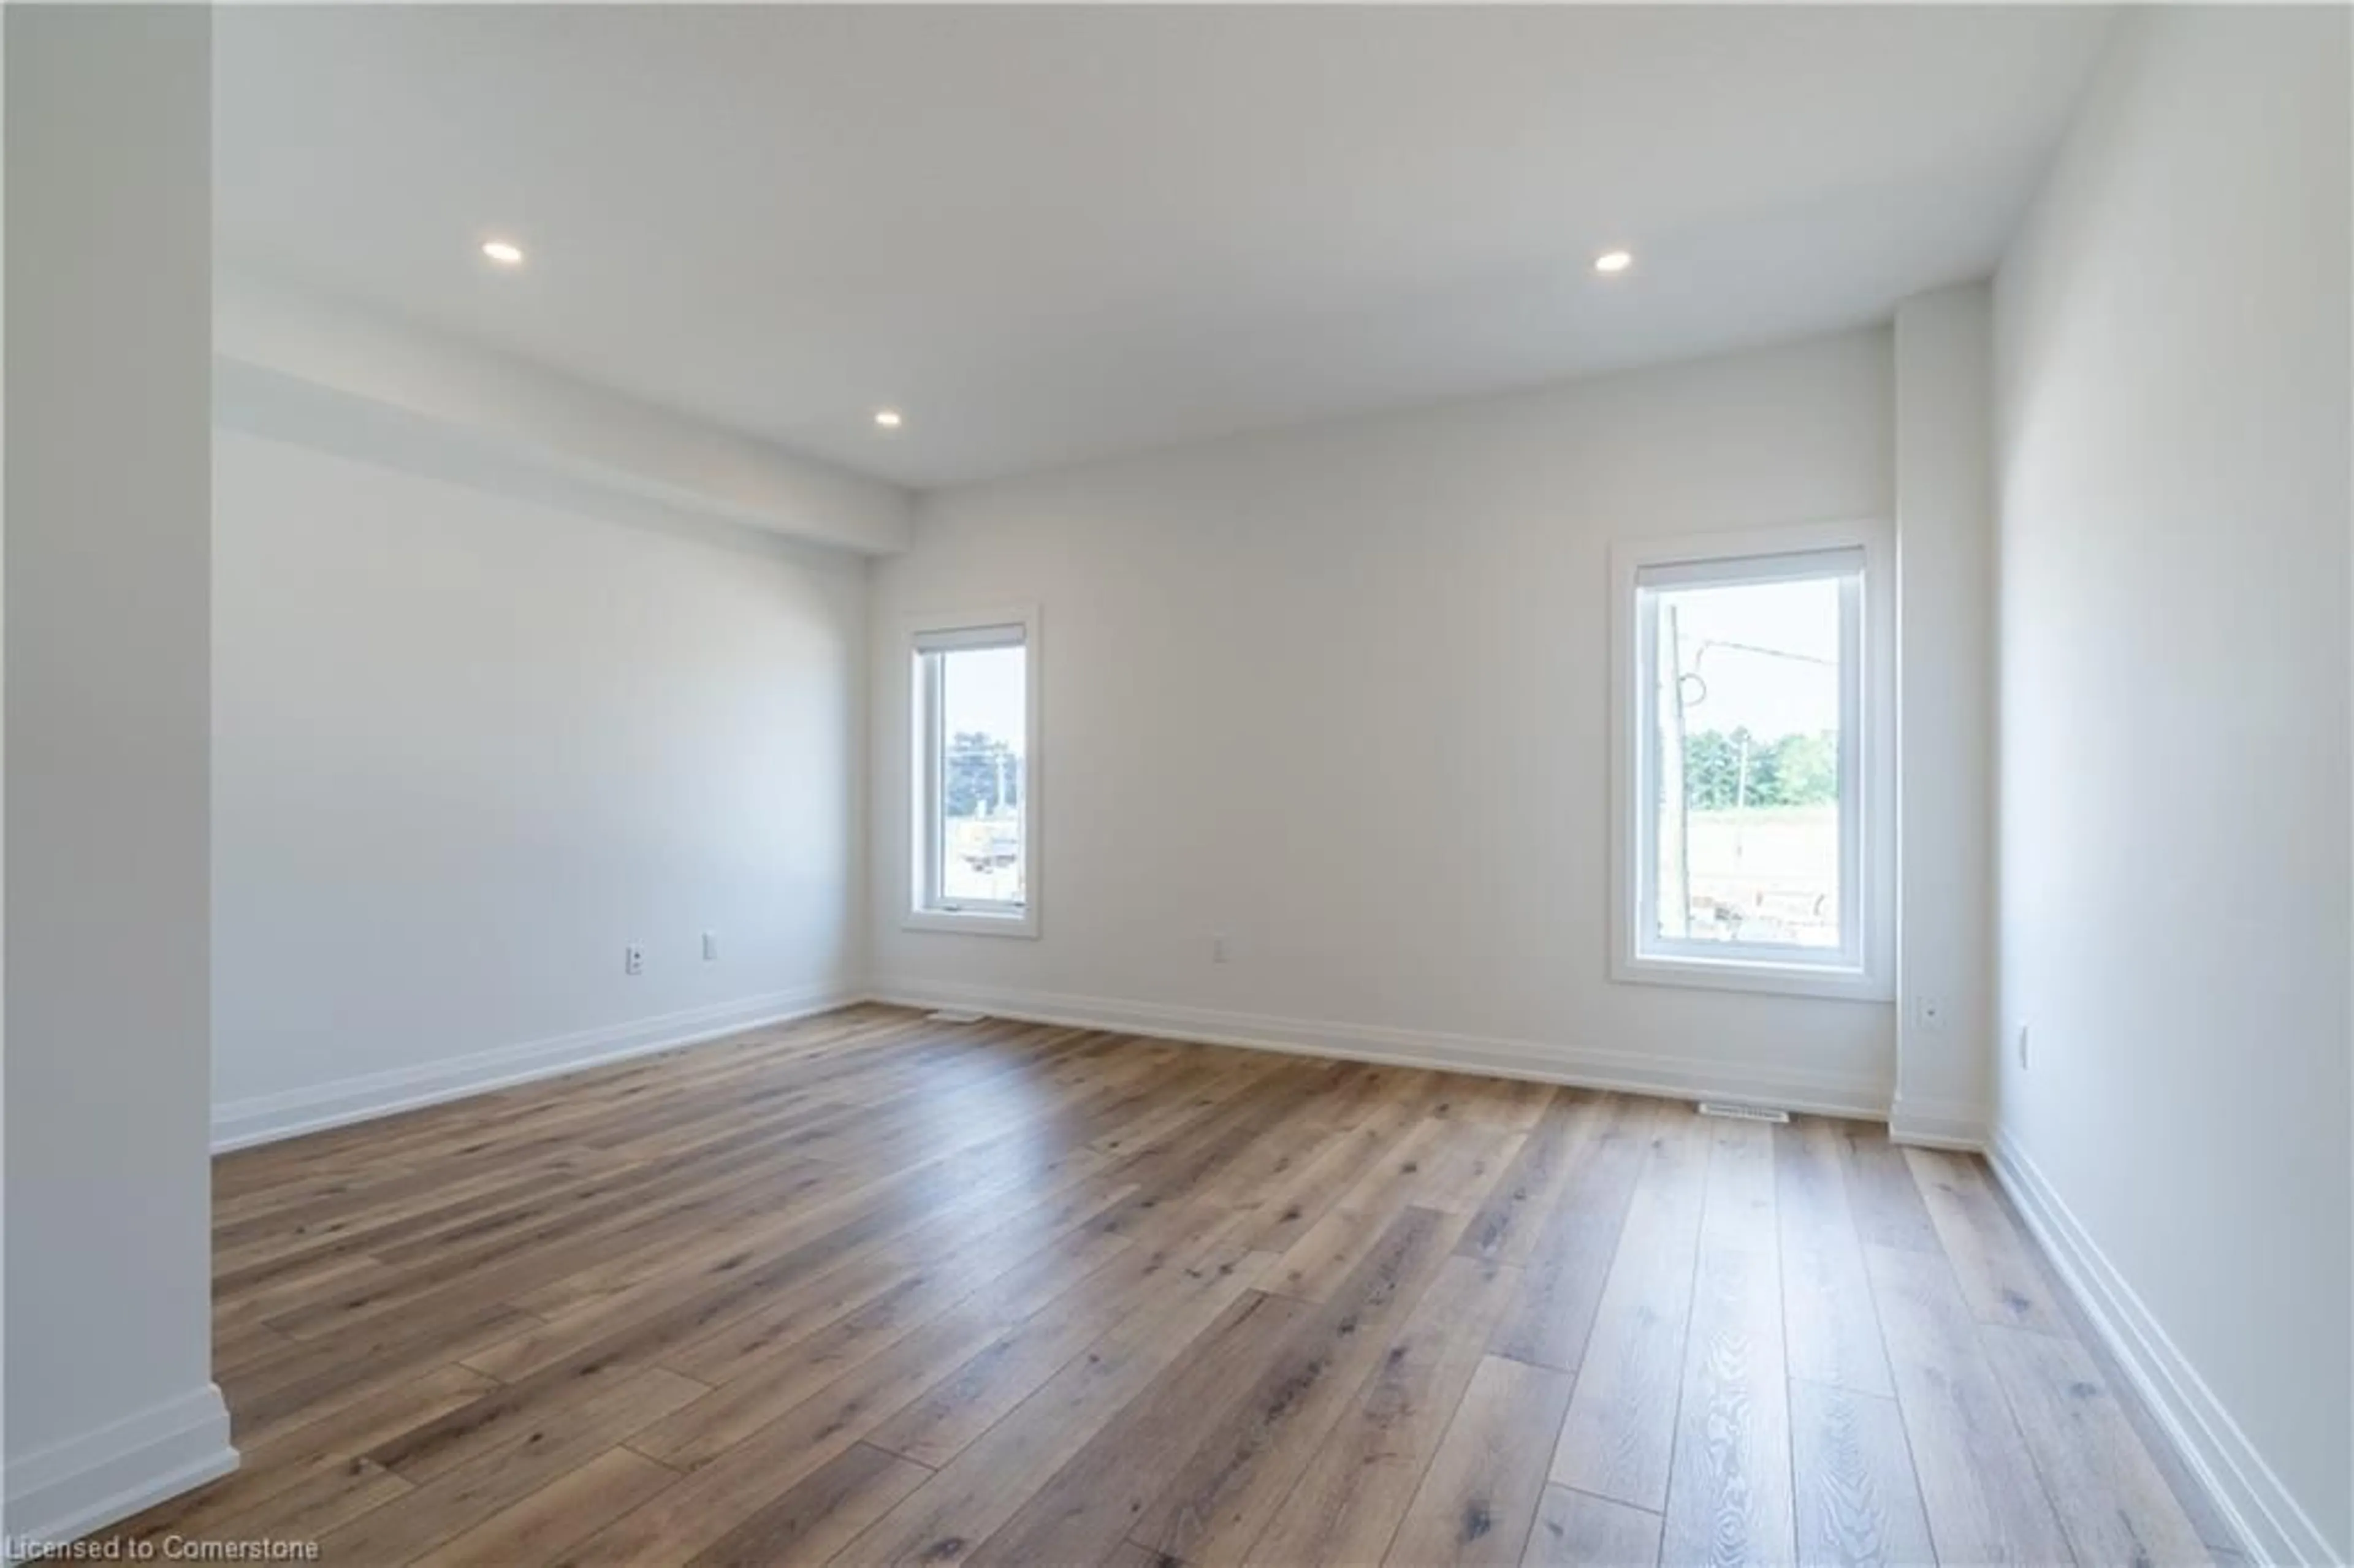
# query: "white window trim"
{"type": "Point", "coordinates": [922, 874]}
{"type": "Point", "coordinates": [1865, 973]}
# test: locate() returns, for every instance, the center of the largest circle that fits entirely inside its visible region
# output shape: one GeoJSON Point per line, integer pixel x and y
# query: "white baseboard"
{"type": "Point", "coordinates": [1937, 1124]}
{"type": "Point", "coordinates": [64, 1492]}
{"type": "Point", "coordinates": [2253, 1498]}
{"type": "Point", "coordinates": [1671, 1077]}
{"type": "Point", "coordinates": [266, 1118]}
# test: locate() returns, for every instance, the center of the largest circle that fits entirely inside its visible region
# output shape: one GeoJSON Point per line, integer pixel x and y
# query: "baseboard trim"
{"type": "Point", "coordinates": [1666, 1076]}
{"type": "Point", "coordinates": [63, 1492]}
{"type": "Point", "coordinates": [1937, 1124]}
{"type": "Point", "coordinates": [2254, 1501]}
{"type": "Point", "coordinates": [238, 1124]}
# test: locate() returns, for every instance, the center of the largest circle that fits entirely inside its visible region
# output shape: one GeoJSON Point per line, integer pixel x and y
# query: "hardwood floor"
{"type": "Point", "coordinates": [874, 1289]}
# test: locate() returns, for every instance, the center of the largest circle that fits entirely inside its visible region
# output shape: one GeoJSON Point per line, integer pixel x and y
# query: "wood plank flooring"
{"type": "Point", "coordinates": [873, 1289]}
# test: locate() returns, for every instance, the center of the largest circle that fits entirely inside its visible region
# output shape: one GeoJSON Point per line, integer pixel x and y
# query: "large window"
{"type": "Point", "coordinates": [1748, 775]}
{"type": "Point", "coordinates": [974, 855]}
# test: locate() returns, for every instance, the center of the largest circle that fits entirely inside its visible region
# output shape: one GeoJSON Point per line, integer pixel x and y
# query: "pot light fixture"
{"type": "Point", "coordinates": [887, 418]}
{"type": "Point", "coordinates": [1613, 261]}
{"type": "Point", "coordinates": [507, 253]}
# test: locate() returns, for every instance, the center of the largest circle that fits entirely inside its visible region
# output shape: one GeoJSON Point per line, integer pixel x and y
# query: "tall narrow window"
{"type": "Point", "coordinates": [975, 815]}
{"type": "Point", "coordinates": [1748, 766]}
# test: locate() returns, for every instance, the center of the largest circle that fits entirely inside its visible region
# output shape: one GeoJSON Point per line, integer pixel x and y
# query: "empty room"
{"type": "Point", "coordinates": [1177, 786]}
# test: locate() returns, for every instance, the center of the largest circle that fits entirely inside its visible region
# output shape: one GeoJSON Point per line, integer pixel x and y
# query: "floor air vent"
{"type": "Point", "coordinates": [957, 1015]}
{"type": "Point", "coordinates": [1742, 1113]}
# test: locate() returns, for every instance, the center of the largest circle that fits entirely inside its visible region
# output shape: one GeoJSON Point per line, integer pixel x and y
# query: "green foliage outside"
{"type": "Point", "coordinates": [1722, 771]}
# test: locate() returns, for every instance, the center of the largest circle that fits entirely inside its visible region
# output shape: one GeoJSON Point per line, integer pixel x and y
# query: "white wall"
{"type": "Point", "coordinates": [269, 343]}
{"type": "Point", "coordinates": [2173, 412]}
{"type": "Point", "coordinates": [1945, 531]}
{"type": "Point", "coordinates": [4, 774]}
{"type": "Point", "coordinates": [475, 734]}
{"type": "Point", "coordinates": [109, 1402]}
{"type": "Point", "coordinates": [1340, 694]}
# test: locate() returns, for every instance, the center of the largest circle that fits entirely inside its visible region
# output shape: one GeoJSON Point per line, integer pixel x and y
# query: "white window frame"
{"type": "Point", "coordinates": [1863, 967]}
{"type": "Point", "coordinates": [925, 910]}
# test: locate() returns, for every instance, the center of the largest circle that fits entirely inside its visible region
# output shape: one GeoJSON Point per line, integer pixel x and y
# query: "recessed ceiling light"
{"type": "Point", "coordinates": [505, 252]}
{"type": "Point", "coordinates": [887, 418]}
{"type": "Point", "coordinates": [1614, 261]}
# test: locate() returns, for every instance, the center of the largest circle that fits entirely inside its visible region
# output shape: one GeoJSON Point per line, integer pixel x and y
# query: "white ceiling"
{"type": "Point", "coordinates": [1050, 233]}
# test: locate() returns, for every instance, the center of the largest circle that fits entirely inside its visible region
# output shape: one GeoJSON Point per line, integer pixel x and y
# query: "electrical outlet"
{"type": "Point", "coordinates": [710, 948]}
{"type": "Point", "coordinates": [1218, 947]}
{"type": "Point", "coordinates": [633, 960]}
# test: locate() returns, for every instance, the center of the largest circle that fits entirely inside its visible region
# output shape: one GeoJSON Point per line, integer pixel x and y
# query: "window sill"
{"type": "Point", "coordinates": [1753, 975]}
{"type": "Point", "coordinates": [972, 922]}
